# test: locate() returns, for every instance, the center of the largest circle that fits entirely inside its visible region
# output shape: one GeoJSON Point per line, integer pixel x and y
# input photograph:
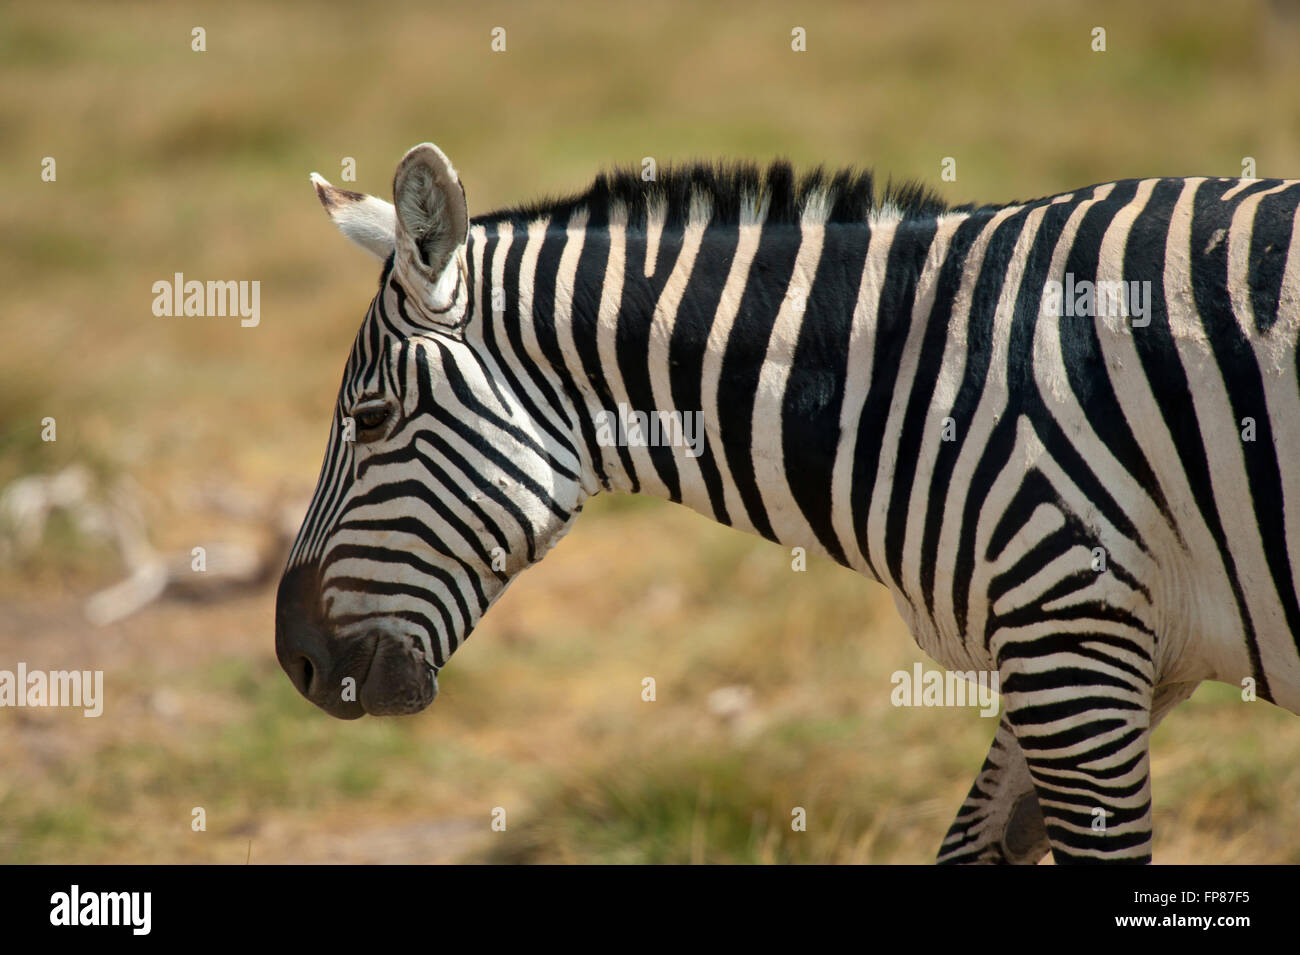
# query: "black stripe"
{"type": "Point", "coordinates": [814, 391]}
{"type": "Point", "coordinates": [742, 361]}
{"type": "Point", "coordinates": [588, 285]}
{"type": "Point", "coordinates": [1270, 241]}
{"type": "Point", "coordinates": [912, 429]}
{"type": "Point", "coordinates": [686, 350]}
{"type": "Point", "coordinates": [512, 322]}
{"type": "Point", "coordinates": [632, 339]}
{"type": "Point", "coordinates": [941, 320]}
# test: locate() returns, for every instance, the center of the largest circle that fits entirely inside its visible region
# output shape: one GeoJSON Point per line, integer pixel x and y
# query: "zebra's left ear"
{"type": "Point", "coordinates": [366, 220]}
{"type": "Point", "coordinates": [432, 223]}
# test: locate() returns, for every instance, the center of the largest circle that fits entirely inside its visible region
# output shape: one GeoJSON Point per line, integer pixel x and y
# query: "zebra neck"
{"type": "Point", "coordinates": [729, 368]}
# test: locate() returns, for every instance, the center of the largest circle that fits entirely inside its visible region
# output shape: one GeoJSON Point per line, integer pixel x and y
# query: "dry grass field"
{"type": "Point", "coordinates": [170, 160]}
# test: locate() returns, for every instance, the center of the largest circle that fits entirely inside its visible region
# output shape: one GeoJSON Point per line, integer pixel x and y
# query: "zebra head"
{"type": "Point", "coordinates": [439, 484]}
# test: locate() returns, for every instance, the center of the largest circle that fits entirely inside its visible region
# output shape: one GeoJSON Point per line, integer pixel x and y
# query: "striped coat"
{"type": "Point", "coordinates": [1058, 431]}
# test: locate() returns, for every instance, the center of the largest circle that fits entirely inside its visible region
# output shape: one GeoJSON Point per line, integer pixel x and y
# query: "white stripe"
{"type": "Point", "coordinates": [767, 448]}
{"type": "Point", "coordinates": [527, 283]}
{"type": "Point", "coordinates": [656, 210]}
{"type": "Point", "coordinates": [1241, 184]}
{"type": "Point", "coordinates": [857, 383]}
{"type": "Point", "coordinates": [733, 292]}
{"type": "Point", "coordinates": [574, 239]}
{"type": "Point", "coordinates": [611, 301]}
{"type": "Point", "coordinates": [661, 334]}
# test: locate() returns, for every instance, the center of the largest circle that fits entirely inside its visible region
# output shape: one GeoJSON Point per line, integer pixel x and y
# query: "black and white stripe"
{"type": "Point", "coordinates": [879, 383]}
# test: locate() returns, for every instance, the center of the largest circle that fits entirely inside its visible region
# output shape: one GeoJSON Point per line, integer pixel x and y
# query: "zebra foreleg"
{"type": "Point", "coordinates": [1084, 727]}
{"type": "Point", "coordinates": [1000, 822]}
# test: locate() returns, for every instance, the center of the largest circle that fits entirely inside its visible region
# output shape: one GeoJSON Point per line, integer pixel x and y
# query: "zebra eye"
{"type": "Point", "coordinates": [371, 417]}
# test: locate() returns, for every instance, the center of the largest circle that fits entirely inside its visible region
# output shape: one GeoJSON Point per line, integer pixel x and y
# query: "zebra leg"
{"type": "Point", "coordinates": [1000, 822]}
{"type": "Point", "coordinates": [1083, 724]}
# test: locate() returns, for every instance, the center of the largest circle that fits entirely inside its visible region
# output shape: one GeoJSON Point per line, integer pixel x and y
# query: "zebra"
{"type": "Point", "coordinates": [1091, 502]}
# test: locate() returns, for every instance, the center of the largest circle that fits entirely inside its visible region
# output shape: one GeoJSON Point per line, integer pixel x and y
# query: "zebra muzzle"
{"type": "Point", "coordinates": [374, 670]}
{"type": "Point", "coordinates": [398, 681]}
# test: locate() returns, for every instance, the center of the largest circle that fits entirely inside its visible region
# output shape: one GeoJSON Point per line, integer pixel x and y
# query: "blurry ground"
{"type": "Point", "coordinates": [170, 160]}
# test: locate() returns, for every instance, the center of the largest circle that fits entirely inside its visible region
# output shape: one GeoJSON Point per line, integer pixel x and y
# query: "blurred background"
{"type": "Point", "coordinates": [773, 687]}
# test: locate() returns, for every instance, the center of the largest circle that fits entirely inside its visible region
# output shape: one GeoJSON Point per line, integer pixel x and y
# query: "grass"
{"type": "Point", "coordinates": [170, 160]}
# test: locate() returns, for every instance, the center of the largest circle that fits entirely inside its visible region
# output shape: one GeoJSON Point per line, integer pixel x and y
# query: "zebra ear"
{"type": "Point", "coordinates": [369, 222]}
{"type": "Point", "coordinates": [432, 218]}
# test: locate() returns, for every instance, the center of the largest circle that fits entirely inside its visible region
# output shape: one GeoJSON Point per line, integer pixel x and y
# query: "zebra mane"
{"type": "Point", "coordinates": [732, 193]}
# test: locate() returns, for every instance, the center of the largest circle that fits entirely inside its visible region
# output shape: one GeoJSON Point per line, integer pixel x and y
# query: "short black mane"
{"type": "Point", "coordinates": [847, 195]}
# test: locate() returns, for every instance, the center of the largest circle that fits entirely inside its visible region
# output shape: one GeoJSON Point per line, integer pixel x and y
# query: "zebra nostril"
{"type": "Point", "coordinates": [301, 671]}
{"type": "Point", "coordinates": [307, 673]}
{"type": "Point", "coordinates": [300, 645]}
